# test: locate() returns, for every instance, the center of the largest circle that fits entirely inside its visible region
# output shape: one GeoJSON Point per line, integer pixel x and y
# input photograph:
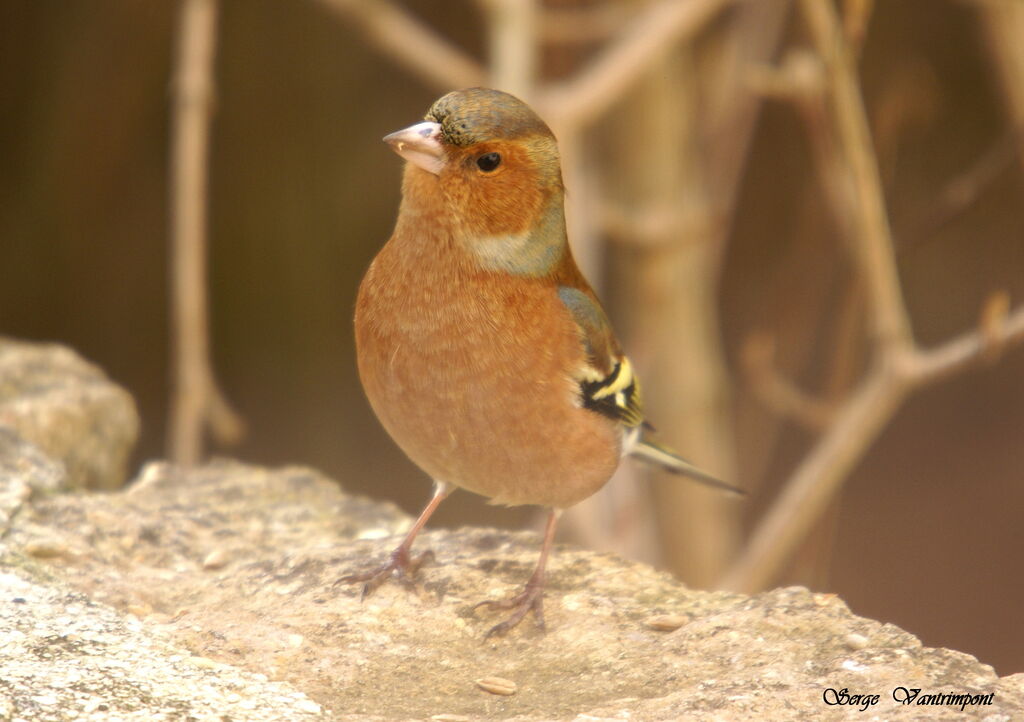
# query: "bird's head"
{"type": "Point", "coordinates": [489, 163]}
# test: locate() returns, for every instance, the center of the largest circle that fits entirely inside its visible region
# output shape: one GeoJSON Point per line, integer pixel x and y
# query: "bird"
{"type": "Point", "coordinates": [480, 346]}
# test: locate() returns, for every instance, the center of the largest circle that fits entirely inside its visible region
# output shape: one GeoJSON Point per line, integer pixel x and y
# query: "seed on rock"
{"type": "Point", "coordinates": [497, 685]}
{"type": "Point", "coordinates": [856, 641]}
{"type": "Point", "coordinates": [46, 549]}
{"type": "Point", "coordinates": [666, 622]}
{"type": "Point", "coordinates": [217, 559]}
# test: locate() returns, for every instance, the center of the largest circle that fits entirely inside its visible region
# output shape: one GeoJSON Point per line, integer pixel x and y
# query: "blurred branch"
{"type": "Point", "coordinates": [856, 16]}
{"type": "Point", "coordinates": [1004, 26]}
{"type": "Point", "coordinates": [899, 366]}
{"type": "Point", "coordinates": [513, 44]}
{"type": "Point", "coordinates": [581, 24]}
{"type": "Point", "coordinates": [649, 226]}
{"type": "Point", "coordinates": [874, 241]}
{"type": "Point", "coordinates": [776, 391]}
{"type": "Point", "coordinates": [196, 399]}
{"type": "Point", "coordinates": [685, 177]}
{"type": "Point", "coordinates": [801, 79]}
{"type": "Point", "coordinates": [998, 328]}
{"type": "Point", "coordinates": [575, 103]}
{"type": "Point", "coordinates": [410, 43]}
{"type": "Point", "coordinates": [673, 324]}
{"type": "Point", "coordinates": [962, 191]}
{"type": "Point", "coordinates": [798, 77]}
{"type": "Point", "coordinates": [814, 483]}
{"type": "Point", "coordinates": [859, 420]}
{"type": "Point", "coordinates": [732, 106]}
{"type": "Point", "coordinates": [847, 346]}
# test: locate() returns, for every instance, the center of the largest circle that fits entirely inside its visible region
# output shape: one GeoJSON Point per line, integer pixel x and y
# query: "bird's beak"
{"type": "Point", "coordinates": [420, 144]}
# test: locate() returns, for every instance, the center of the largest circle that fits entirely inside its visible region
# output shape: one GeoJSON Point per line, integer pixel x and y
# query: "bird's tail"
{"type": "Point", "coordinates": [667, 459]}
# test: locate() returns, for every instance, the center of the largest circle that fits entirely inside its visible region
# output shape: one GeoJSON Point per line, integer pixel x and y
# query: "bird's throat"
{"type": "Point", "coordinates": [536, 251]}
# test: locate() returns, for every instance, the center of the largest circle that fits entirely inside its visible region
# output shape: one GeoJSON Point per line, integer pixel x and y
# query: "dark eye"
{"type": "Point", "coordinates": [488, 162]}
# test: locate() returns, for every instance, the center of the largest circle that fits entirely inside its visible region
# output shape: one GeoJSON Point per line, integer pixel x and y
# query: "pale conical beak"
{"type": "Point", "coordinates": [420, 144]}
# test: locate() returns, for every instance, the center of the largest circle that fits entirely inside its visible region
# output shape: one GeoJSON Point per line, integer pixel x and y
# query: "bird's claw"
{"type": "Point", "coordinates": [401, 564]}
{"type": "Point", "coordinates": [531, 598]}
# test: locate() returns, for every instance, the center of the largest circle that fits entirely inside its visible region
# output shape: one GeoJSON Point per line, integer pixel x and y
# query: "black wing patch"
{"type": "Point", "coordinates": [616, 396]}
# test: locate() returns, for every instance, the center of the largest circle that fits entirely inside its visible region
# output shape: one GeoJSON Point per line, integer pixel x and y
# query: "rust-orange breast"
{"type": "Point", "coordinates": [470, 373]}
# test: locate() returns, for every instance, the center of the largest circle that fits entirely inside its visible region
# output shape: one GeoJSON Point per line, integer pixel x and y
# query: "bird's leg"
{"type": "Point", "coordinates": [401, 561]}
{"type": "Point", "coordinates": [532, 596]}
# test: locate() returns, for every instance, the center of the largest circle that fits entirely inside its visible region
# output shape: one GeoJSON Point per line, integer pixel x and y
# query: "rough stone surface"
{"type": "Point", "coordinates": [24, 470]}
{"type": "Point", "coordinates": [66, 655]}
{"type": "Point", "coordinates": [63, 656]}
{"type": "Point", "coordinates": [239, 565]}
{"type": "Point", "coordinates": [68, 408]}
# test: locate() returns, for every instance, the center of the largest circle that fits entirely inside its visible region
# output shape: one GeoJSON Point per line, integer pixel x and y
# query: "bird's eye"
{"type": "Point", "coordinates": [488, 162]}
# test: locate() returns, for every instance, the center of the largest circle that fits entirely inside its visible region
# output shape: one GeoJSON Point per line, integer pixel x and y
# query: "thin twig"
{"type": "Point", "coordinates": [732, 106]}
{"type": "Point", "coordinates": [814, 484]}
{"type": "Point", "coordinates": [928, 366]}
{"type": "Point", "coordinates": [874, 242]}
{"type": "Point", "coordinates": [898, 368]}
{"type": "Point", "coordinates": [577, 102]}
{"type": "Point", "coordinates": [696, 137]}
{"type": "Point", "coordinates": [193, 388]}
{"type": "Point", "coordinates": [962, 191]}
{"type": "Point", "coordinates": [858, 423]}
{"type": "Point", "coordinates": [776, 391]}
{"type": "Point", "coordinates": [847, 346]}
{"type": "Point", "coordinates": [411, 44]}
{"type": "Point", "coordinates": [1004, 26]}
{"type": "Point", "coordinates": [807, 73]}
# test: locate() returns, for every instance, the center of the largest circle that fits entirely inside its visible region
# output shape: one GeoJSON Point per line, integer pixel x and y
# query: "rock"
{"type": "Point", "coordinates": [239, 565]}
{"type": "Point", "coordinates": [69, 409]}
{"type": "Point", "coordinates": [24, 470]}
{"type": "Point", "coordinates": [63, 656]}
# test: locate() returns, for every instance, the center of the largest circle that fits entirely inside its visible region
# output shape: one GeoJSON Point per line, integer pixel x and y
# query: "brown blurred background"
{"type": "Point", "coordinates": [928, 530]}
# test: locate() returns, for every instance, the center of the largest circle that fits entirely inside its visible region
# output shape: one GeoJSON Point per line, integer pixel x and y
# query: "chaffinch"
{"type": "Point", "coordinates": [481, 347]}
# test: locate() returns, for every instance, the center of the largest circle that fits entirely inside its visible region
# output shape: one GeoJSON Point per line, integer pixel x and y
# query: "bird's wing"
{"type": "Point", "coordinates": [609, 387]}
{"type": "Point", "coordinates": [607, 383]}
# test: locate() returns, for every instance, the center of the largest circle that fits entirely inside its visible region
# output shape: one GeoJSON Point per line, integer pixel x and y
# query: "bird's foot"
{"type": "Point", "coordinates": [531, 598]}
{"type": "Point", "coordinates": [401, 564]}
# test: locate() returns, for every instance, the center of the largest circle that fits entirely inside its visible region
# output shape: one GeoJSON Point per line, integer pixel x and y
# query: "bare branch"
{"type": "Point", "coordinates": [1004, 25]}
{"type": "Point", "coordinates": [411, 43]}
{"type": "Point", "coordinates": [652, 226]}
{"type": "Point", "coordinates": [815, 483]}
{"type": "Point", "coordinates": [874, 242]}
{"type": "Point", "coordinates": [997, 330]}
{"type": "Point", "coordinates": [227, 425]}
{"type": "Point", "coordinates": [673, 322]}
{"type": "Point", "coordinates": [731, 107]}
{"type": "Point", "coordinates": [581, 100]}
{"type": "Point", "coordinates": [962, 191]}
{"type": "Point", "coordinates": [581, 24]}
{"type": "Point", "coordinates": [513, 43]}
{"type": "Point", "coordinates": [819, 477]}
{"type": "Point", "coordinates": [899, 366]}
{"type": "Point", "coordinates": [776, 391]}
{"type": "Point", "coordinates": [193, 388]}
{"type": "Point", "coordinates": [856, 16]}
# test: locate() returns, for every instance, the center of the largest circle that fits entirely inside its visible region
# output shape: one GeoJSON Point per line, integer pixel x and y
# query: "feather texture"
{"type": "Point", "coordinates": [659, 455]}
{"type": "Point", "coordinates": [481, 347]}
